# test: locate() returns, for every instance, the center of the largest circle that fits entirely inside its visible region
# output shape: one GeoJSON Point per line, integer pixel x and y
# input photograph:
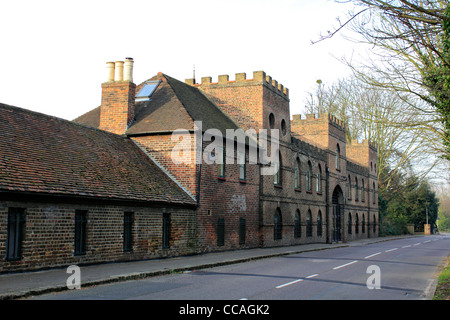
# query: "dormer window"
{"type": "Point", "coordinates": [147, 90]}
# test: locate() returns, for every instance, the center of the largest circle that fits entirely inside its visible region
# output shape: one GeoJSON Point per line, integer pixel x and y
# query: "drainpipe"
{"type": "Point", "coordinates": [327, 200]}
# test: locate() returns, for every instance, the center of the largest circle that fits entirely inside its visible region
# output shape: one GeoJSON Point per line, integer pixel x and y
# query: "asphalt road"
{"type": "Point", "coordinates": [391, 270]}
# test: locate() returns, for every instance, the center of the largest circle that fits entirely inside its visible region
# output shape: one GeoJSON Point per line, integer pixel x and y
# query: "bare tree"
{"type": "Point", "coordinates": [378, 115]}
{"type": "Point", "coordinates": [409, 56]}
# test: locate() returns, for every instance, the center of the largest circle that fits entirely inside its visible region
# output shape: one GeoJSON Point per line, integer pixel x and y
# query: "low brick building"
{"type": "Point", "coordinates": [130, 179]}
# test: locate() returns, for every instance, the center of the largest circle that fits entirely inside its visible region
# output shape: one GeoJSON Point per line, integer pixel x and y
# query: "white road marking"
{"type": "Point", "coordinates": [288, 284]}
{"type": "Point", "coordinates": [408, 246]}
{"type": "Point", "coordinates": [391, 250]}
{"type": "Point", "coordinates": [372, 255]}
{"type": "Point", "coordinates": [312, 276]}
{"type": "Point", "coordinates": [416, 244]}
{"type": "Point", "coordinates": [344, 265]}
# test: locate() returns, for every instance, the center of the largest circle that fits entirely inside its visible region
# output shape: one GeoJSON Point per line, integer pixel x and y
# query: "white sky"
{"type": "Point", "coordinates": [53, 53]}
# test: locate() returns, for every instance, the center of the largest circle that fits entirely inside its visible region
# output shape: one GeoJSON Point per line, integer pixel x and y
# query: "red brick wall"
{"type": "Point", "coordinates": [50, 228]}
{"type": "Point", "coordinates": [160, 147]}
{"type": "Point", "coordinates": [230, 199]}
{"type": "Point", "coordinates": [117, 109]}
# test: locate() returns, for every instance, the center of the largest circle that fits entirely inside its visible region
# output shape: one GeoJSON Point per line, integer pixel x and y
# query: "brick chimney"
{"type": "Point", "coordinates": [118, 92]}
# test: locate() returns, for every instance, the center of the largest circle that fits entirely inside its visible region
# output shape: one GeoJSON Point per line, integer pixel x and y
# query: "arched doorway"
{"type": "Point", "coordinates": [337, 201]}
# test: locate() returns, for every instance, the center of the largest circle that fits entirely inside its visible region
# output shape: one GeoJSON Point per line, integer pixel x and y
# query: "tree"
{"type": "Point", "coordinates": [370, 113]}
{"type": "Point", "coordinates": [409, 45]}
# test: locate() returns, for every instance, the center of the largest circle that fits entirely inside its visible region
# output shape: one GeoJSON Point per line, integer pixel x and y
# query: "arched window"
{"type": "Point", "coordinates": [297, 175]}
{"type": "Point", "coordinates": [271, 121]}
{"type": "Point", "coordinates": [349, 188]}
{"type": "Point", "coordinates": [277, 176]}
{"type": "Point", "coordinates": [349, 223]}
{"type": "Point", "coordinates": [363, 197]}
{"type": "Point", "coordinates": [319, 224]}
{"type": "Point", "coordinates": [319, 180]}
{"type": "Point", "coordinates": [277, 225]}
{"type": "Point", "coordinates": [374, 193]}
{"type": "Point", "coordinates": [356, 223]}
{"type": "Point", "coordinates": [308, 177]}
{"type": "Point", "coordinates": [356, 188]}
{"type": "Point", "coordinates": [374, 224]}
{"type": "Point", "coordinates": [363, 226]}
{"type": "Point", "coordinates": [338, 155]}
{"type": "Point", "coordinates": [309, 224]}
{"type": "Point", "coordinates": [297, 225]}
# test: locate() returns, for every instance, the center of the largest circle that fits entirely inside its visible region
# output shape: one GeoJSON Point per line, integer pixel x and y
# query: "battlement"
{"type": "Point", "coordinates": [365, 143]}
{"type": "Point", "coordinates": [332, 119]}
{"type": "Point", "coordinates": [259, 77]}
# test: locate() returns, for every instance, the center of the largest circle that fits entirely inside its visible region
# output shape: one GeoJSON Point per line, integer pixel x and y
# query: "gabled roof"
{"type": "Point", "coordinates": [45, 155]}
{"type": "Point", "coordinates": [173, 105]}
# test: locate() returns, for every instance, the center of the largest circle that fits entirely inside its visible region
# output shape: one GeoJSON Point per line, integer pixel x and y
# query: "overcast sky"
{"type": "Point", "coordinates": [53, 53]}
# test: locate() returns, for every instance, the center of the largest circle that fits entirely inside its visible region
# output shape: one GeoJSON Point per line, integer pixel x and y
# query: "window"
{"type": "Point", "coordinates": [242, 169]}
{"type": "Point", "coordinates": [277, 176]}
{"type": "Point", "coordinates": [308, 177]}
{"type": "Point", "coordinates": [147, 90]}
{"type": "Point", "coordinates": [309, 226]}
{"type": "Point", "coordinates": [319, 180]}
{"type": "Point", "coordinates": [220, 232]}
{"type": "Point", "coordinates": [277, 225]}
{"type": "Point", "coordinates": [338, 155]}
{"type": "Point", "coordinates": [363, 226]}
{"type": "Point", "coordinates": [374, 193]}
{"type": "Point", "coordinates": [80, 231]}
{"type": "Point", "coordinates": [297, 225]}
{"type": "Point", "coordinates": [166, 224]}
{"type": "Point", "coordinates": [349, 223]}
{"type": "Point", "coordinates": [128, 231]}
{"type": "Point", "coordinates": [297, 175]}
{"type": "Point", "coordinates": [242, 230]}
{"type": "Point", "coordinates": [374, 224]}
{"type": "Point", "coordinates": [271, 121]}
{"type": "Point", "coordinates": [349, 188]}
{"type": "Point", "coordinates": [283, 127]}
{"type": "Point", "coordinates": [356, 189]}
{"type": "Point", "coordinates": [319, 224]}
{"type": "Point", "coordinates": [363, 197]}
{"type": "Point", "coordinates": [356, 223]}
{"type": "Point", "coordinates": [220, 163]}
{"type": "Point", "coordinates": [16, 222]}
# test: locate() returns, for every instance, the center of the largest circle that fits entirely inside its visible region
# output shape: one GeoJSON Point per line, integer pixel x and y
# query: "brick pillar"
{"type": "Point", "coordinates": [117, 109]}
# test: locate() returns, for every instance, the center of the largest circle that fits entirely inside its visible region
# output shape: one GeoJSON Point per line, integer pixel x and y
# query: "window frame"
{"type": "Point", "coordinates": [80, 232]}
{"type": "Point", "coordinates": [15, 233]}
{"type": "Point", "coordinates": [128, 221]}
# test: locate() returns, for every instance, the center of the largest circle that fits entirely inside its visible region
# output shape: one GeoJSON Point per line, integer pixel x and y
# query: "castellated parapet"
{"type": "Point", "coordinates": [323, 117]}
{"type": "Point", "coordinates": [259, 77]}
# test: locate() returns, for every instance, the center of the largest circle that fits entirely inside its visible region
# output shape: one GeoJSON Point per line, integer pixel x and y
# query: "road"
{"type": "Point", "coordinates": [394, 270]}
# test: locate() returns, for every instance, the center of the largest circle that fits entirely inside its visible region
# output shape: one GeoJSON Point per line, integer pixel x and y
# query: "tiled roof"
{"type": "Point", "coordinates": [174, 105]}
{"type": "Point", "coordinates": [46, 155]}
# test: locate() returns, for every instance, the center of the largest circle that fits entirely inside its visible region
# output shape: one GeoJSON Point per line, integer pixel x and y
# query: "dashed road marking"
{"type": "Point", "coordinates": [391, 250]}
{"type": "Point", "coordinates": [372, 255]}
{"type": "Point", "coordinates": [344, 265]}
{"type": "Point", "coordinates": [288, 284]}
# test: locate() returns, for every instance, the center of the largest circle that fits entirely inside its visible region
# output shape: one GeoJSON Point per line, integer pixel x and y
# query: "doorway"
{"type": "Point", "coordinates": [337, 201]}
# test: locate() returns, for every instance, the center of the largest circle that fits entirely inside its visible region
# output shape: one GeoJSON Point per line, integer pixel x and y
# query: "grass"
{"type": "Point", "coordinates": [443, 286]}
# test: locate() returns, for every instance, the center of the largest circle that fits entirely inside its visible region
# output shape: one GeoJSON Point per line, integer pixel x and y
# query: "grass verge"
{"type": "Point", "coordinates": [443, 285]}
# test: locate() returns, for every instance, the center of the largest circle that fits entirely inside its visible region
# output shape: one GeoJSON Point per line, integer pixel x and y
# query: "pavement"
{"type": "Point", "coordinates": [26, 284]}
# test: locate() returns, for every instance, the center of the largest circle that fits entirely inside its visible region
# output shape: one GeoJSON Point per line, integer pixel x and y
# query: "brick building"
{"type": "Point", "coordinates": [107, 186]}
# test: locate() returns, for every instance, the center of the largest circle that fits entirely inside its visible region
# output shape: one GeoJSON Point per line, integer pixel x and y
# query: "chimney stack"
{"type": "Point", "coordinates": [118, 97]}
